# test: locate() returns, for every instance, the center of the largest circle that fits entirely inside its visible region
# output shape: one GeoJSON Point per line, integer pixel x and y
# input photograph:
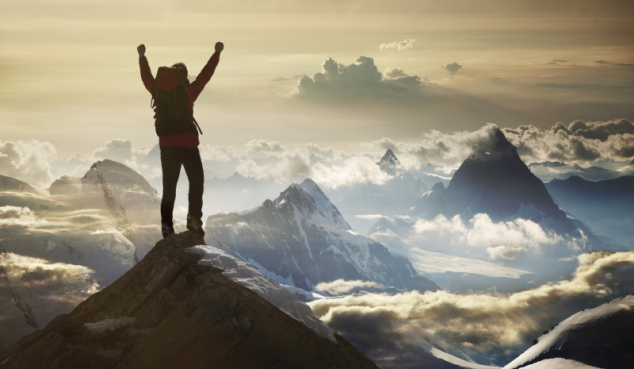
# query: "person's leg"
{"type": "Point", "coordinates": [196, 175]}
{"type": "Point", "coordinates": [171, 164]}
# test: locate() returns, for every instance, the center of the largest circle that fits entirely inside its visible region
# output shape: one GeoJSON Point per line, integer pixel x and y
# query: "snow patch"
{"type": "Point", "coordinates": [248, 276]}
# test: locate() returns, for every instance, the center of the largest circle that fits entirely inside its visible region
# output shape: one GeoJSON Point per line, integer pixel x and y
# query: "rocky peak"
{"type": "Point", "coordinates": [494, 180]}
{"type": "Point", "coordinates": [309, 201]}
{"type": "Point", "coordinates": [389, 163]}
{"type": "Point", "coordinates": [171, 311]}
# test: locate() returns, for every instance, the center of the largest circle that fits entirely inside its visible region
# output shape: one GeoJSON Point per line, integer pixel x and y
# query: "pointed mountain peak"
{"type": "Point", "coordinates": [496, 147]}
{"type": "Point", "coordinates": [311, 202]}
{"type": "Point", "coordinates": [389, 163]}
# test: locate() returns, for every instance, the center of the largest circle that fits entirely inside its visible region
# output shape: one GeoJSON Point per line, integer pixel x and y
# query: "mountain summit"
{"type": "Point", "coordinates": [494, 180]}
{"type": "Point", "coordinates": [389, 163]}
{"type": "Point", "coordinates": [175, 310]}
{"type": "Point", "coordinates": [301, 239]}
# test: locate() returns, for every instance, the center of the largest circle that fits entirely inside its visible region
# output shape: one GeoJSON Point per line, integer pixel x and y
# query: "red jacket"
{"type": "Point", "coordinates": [187, 139]}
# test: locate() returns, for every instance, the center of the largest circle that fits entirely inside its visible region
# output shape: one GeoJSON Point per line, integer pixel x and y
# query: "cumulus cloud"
{"type": "Point", "coordinates": [596, 130]}
{"type": "Point", "coordinates": [28, 161]}
{"type": "Point", "coordinates": [452, 68]}
{"type": "Point", "coordinates": [497, 326]}
{"type": "Point", "coordinates": [398, 45]}
{"type": "Point", "coordinates": [264, 146]}
{"type": "Point", "coordinates": [116, 149]}
{"type": "Point", "coordinates": [577, 143]}
{"type": "Point", "coordinates": [341, 286]}
{"type": "Point", "coordinates": [358, 80]}
{"type": "Point", "coordinates": [519, 240]}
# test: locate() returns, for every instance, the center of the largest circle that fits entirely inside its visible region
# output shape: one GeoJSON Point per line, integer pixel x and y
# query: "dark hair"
{"type": "Point", "coordinates": [181, 65]}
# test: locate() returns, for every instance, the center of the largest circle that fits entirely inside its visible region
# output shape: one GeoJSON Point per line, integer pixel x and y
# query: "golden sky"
{"type": "Point", "coordinates": [69, 70]}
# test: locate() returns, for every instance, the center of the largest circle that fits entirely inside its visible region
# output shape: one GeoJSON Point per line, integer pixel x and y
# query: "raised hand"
{"type": "Point", "coordinates": [141, 50]}
{"type": "Point", "coordinates": [219, 47]}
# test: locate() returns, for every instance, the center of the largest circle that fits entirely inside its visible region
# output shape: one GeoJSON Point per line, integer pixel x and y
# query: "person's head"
{"type": "Point", "coordinates": [181, 65]}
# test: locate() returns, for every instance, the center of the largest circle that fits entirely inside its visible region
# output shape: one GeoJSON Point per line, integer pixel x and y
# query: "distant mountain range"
{"type": "Point", "coordinates": [607, 206]}
{"type": "Point", "coordinates": [301, 239]}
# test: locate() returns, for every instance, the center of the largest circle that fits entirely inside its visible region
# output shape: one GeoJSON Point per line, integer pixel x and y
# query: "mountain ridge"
{"type": "Point", "coordinates": [170, 311]}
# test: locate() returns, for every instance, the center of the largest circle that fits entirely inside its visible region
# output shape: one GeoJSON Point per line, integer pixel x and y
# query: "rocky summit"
{"type": "Point", "coordinates": [494, 180]}
{"type": "Point", "coordinates": [169, 311]}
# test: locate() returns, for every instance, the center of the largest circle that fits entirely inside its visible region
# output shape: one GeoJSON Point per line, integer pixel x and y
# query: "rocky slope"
{"type": "Point", "coordinates": [171, 312]}
{"type": "Point", "coordinates": [301, 239]}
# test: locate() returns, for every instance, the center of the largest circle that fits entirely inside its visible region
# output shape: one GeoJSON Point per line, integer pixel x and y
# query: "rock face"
{"type": "Point", "coordinates": [170, 312]}
{"type": "Point", "coordinates": [9, 184]}
{"type": "Point", "coordinates": [301, 239]}
{"type": "Point", "coordinates": [494, 180]}
{"type": "Point", "coordinates": [600, 337]}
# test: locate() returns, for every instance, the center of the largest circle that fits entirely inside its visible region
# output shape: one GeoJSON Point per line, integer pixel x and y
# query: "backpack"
{"type": "Point", "coordinates": [168, 100]}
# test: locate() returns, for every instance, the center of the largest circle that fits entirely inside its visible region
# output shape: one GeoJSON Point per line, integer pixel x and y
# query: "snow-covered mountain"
{"type": "Point", "coordinates": [9, 184]}
{"type": "Point", "coordinates": [83, 236]}
{"type": "Point", "coordinates": [600, 337]}
{"type": "Point", "coordinates": [301, 239]}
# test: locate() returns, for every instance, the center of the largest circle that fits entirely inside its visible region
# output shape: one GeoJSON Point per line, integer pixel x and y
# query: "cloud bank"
{"type": "Point", "coordinates": [498, 325]}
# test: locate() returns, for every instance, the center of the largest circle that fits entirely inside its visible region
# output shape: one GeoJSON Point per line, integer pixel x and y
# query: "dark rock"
{"type": "Point", "coordinates": [170, 312]}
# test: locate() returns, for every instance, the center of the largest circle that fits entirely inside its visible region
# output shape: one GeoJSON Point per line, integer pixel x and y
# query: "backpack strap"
{"type": "Point", "coordinates": [197, 126]}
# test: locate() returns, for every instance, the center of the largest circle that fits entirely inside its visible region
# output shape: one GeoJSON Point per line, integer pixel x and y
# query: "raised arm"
{"type": "Point", "coordinates": [146, 72]}
{"type": "Point", "coordinates": [196, 87]}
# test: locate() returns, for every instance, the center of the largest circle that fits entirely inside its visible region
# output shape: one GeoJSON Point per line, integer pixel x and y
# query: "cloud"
{"type": "Point", "coordinates": [15, 215]}
{"type": "Point", "coordinates": [577, 143]}
{"type": "Point", "coordinates": [605, 62]}
{"type": "Point", "coordinates": [28, 161]}
{"type": "Point", "coordinates": [596, 130]}
{"type": "Point", "coordinates": [296, 165]}
{"type": "Point", "coordinates": [398, 45]}
{"type": "Point", "coordinates": [496, 326]}
{"type": "Point", "coordinates": [263, 146]}
{"type": "Point", "coordinates": [497, 241]}
{"type": "Point", "coordinates": [452, 68]}
{"type": "Point", "coordinates": [116, 149]}
{"type": "Point", "coordinates": [358, 80]}
{"type": "Point", "coordinates": [341, 286]}
{"type": "Point", "coordinates": [33, 291]}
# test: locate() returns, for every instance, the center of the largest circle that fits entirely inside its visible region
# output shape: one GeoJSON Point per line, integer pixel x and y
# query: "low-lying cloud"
{"type": "Point", "coordinates": [341, 286]}
{"type": "Point", "coordinates": [497, 326]}
{"type": "Point", "coordinates": [483, 238]}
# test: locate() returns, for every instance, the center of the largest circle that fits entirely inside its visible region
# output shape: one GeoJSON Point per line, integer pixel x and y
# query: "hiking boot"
{"type": "Point", "coordinates": [167, 230]}
{"type": "Point", "coordinates": [195, 225]}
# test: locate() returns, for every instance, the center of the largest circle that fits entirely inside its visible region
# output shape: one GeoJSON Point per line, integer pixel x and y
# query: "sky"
{"type": "Point", "coordinates": [69, 70]}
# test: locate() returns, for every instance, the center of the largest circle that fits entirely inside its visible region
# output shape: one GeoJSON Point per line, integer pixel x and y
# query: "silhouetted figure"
{"type": "Point", "coordinates": [173, 101]}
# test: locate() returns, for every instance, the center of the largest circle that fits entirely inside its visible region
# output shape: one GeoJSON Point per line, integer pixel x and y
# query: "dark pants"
{"type": "Point", "coordinates": [171, 160]}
